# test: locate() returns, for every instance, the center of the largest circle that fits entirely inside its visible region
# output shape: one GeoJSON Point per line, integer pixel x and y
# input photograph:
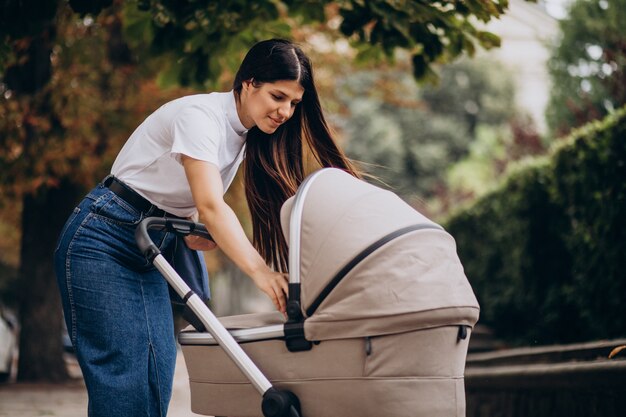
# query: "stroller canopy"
{"type": "Point", "coordinates": [370, 264]}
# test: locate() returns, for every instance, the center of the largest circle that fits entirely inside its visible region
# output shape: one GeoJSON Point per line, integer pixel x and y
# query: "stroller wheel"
{"type": "Point", "coordinates": [280, 404]}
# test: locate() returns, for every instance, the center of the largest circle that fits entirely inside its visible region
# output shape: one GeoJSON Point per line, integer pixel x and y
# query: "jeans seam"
{"type": "Point", "coordinates": [151, 347]}
{"type": "Point", "coordinates": [153, 354]}
{"type": "Point", "coordinates": [77, 210]}
{"type": "Point", "coordinates": [68, 279]}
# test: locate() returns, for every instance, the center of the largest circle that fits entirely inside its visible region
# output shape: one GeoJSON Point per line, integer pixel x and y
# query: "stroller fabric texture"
{"type": "Point", "coordinates": [385, 302]}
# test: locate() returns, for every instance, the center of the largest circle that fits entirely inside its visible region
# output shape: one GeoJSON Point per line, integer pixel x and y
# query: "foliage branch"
{"type": "Point", "coordinates": [202, 38]}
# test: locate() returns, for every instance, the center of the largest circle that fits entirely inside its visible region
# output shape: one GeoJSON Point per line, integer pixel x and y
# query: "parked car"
{"type": "Point", "coordinates": [8, 343]}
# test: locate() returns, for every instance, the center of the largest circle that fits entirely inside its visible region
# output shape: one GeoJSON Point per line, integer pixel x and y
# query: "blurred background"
{"type": "Point", "coordinates": [504, 121]}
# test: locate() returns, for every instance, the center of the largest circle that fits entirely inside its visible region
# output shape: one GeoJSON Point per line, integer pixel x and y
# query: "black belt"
{"type": "Point", "coordinates": [130, 196]}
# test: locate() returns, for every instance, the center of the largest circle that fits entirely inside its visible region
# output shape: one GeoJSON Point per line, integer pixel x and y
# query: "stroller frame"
{"type": "Point", "coordinates": [275, 403]}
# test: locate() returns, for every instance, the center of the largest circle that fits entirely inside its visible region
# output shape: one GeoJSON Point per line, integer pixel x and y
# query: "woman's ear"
{"type": "Point", "coordinates": [247, 84]}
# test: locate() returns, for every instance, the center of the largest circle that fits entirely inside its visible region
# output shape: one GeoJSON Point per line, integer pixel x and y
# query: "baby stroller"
{"type": "Point", "coordinates": [379, 315]}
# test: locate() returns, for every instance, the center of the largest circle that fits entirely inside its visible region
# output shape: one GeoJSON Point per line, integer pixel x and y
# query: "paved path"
{"type": "Point", "coordinates": [70, 400]}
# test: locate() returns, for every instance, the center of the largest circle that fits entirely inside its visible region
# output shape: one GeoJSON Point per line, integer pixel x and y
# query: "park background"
{"type": "Point", "coordinates": [514, 142]}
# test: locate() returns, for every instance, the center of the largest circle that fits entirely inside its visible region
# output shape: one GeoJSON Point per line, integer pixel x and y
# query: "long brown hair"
{"type": "Point", "coordinates": [274, 163]}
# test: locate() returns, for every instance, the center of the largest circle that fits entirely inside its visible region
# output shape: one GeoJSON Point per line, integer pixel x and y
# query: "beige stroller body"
{"type": "Point", "coordinates": [416, 373]}
{"type": "Point", "coordinates": [380, 314]}
{"type": "Point", "coordinates": [392, 331]}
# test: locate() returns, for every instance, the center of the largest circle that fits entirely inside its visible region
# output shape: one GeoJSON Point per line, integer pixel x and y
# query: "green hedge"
{"type": "Point", "coordinates": [546, 251]}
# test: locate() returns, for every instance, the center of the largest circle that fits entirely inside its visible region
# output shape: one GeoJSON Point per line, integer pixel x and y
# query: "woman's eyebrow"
{"type": "Point", "coordinates": [279, 91]}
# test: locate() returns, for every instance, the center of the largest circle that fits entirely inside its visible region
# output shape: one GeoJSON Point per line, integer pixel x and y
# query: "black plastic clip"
{"type": "Point", "coordinates": [462, 335]}
{"type": "Point", "coordinates": [294, 337]}
{"type": "Point", "coordinates": [294, 328]}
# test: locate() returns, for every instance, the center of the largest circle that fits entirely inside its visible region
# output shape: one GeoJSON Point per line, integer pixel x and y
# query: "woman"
{"type": "Point", "coordinates": [179, 162]}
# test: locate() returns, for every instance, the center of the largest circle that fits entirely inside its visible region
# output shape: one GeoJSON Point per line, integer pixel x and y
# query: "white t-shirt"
{"type": "Point", "coordinates": [201, 126]}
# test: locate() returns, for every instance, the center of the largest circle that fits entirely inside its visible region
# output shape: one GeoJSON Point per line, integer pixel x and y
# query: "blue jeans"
{"type": "Point", "coordinates": [117, 308]}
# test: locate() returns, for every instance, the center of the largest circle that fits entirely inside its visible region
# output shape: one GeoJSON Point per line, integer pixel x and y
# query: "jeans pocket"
{"type": "Point", "coordinates": [113, 209]}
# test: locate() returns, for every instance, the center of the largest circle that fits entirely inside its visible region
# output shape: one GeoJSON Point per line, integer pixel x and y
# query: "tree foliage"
{"type": "Point", "coordinates": [411, 135]}
{"type": "Point", "coordinates": [202, 38]}
{"type": "Point", "coordinates": [65, 128]}
{"type": "Point", "coordinates": [545, 250]}
{"type": "Point", "coordinates": [588, 65]}
{"type": "Point", "coordinates": [193, 43]}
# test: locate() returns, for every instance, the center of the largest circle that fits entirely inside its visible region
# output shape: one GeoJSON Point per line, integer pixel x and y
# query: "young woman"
{"type": "Point", "coordinates": [179, 162]}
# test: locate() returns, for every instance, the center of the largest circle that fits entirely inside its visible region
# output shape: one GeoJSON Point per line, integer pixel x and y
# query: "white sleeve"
{"type": "Point", "coordinates": [196, 133]}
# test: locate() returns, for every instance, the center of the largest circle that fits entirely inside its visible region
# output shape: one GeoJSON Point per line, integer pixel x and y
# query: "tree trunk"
{"type": "Point", "coordinates": [45, 211]}
{"type": "Point", "coordinates": [41, 350]}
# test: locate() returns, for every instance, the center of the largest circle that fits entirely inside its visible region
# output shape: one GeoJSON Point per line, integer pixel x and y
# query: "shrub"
{"type": "Point", "coordinates": [546, 251]}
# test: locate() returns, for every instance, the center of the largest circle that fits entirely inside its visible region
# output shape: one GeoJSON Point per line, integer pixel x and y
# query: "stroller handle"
{"type": "Point", "coordinates": [276, 403]}
{"type": "Point", "coordinates": [181, 227]}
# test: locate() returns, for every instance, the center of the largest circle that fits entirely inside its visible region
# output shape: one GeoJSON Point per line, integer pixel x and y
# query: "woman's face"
{"type": "Point", "coordinates": [268, 105]}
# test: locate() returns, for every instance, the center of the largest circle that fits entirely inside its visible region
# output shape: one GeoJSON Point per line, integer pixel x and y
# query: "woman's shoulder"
{"type": "Point", "coordinates": [203, 105]}
{"type": "Point", "coordinates": [205, 100]}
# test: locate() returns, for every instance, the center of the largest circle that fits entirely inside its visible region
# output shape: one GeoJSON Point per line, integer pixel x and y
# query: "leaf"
{"type": "Point", "coordinates": [138, 26]}
{"type": "Point", "coordinates": [469, 47]}
{"type": "Point", "coordinates": [488, 39]}
{"type": "Point", "coordinates": [309, 11]}
{"type": "Point", "coordinates": [420, 66]}
{"type": "Point", "coordinates": [169, 75]}
{"type": "Point", "coordinates": [617, 350]}
{"type": "Point", "coordinates": [433, 48]}
{"type": "Point", "coordinates": [368, 53]}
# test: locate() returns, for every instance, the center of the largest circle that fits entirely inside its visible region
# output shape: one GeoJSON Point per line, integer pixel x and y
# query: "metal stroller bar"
{"type": "Point", "coordinates": [294, 328]}
{"type": "Point", "coordinates": [276, 331]}
{"type": "Point", "coordinates": [212, 324]}
{"type": "Point", "coordinates": [275, 403]}
{"type": "Point", "coordinates": [294, 227]}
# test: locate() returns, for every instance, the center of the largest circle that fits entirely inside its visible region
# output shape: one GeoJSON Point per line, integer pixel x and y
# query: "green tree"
{"type": "Point", "coordinates": [67, 78]}
{"type": "Point", "coordinates": [544, 250]}
{"type": "Point", "coordinates": [490, 154]}
{"type": "Point", "coordinates": [410, 135]}
{"type": "Point", "coordinates": [205, 37]}
{"type": "Point", "coordinates": [588, 64]}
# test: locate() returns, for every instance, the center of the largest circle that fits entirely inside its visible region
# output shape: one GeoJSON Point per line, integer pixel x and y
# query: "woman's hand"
{"type": "Point", "coordinates": [199, 243]}
{"type": "Point", "coordinates": [275, 285]}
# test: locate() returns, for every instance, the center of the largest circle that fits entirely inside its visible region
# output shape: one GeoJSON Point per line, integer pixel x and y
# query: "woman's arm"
{"type": "Point", "coordinates": [222, 223]}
